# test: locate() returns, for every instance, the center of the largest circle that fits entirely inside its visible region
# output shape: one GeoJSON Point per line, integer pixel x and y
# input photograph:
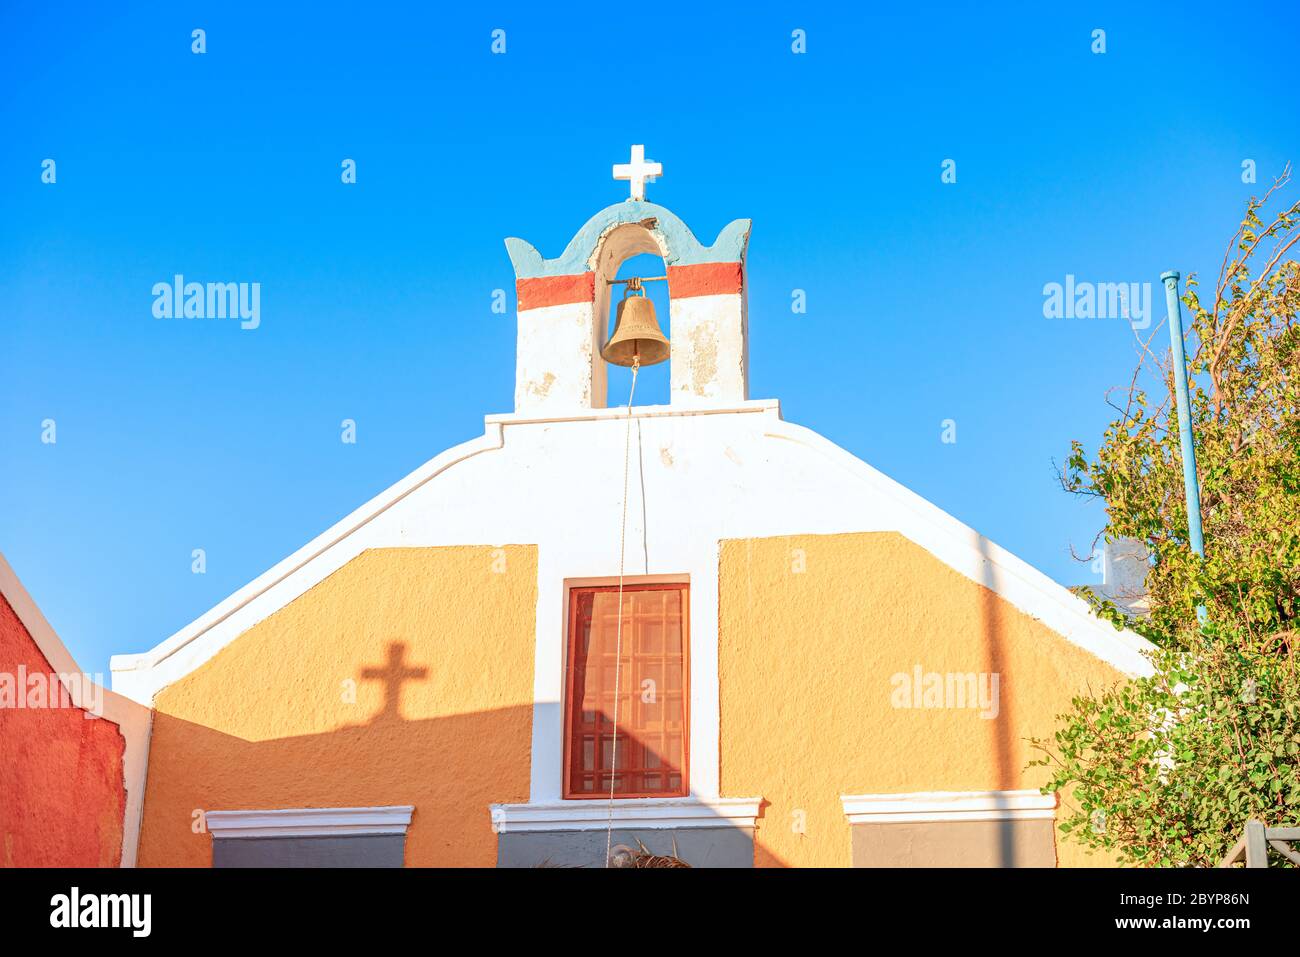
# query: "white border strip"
{"type": "Point", "coordinates": [936, 806]}
{"type": "Point", "coordinates": [582, 815]}
{"type": "Point", "coordinates": [136, 675]}
{"type": "Point", "coordinates": [310, 822]}
{"type": "Point", "coordinates": [979, 559]}
{"type": "Point", "coordinates": [638, 412]}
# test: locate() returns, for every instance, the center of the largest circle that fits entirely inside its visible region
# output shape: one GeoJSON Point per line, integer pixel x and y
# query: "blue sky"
{"type": "Point", "coordinates": [924, 299]}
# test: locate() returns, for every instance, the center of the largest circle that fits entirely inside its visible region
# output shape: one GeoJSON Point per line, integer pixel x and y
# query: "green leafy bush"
{"type": "Point", "coordinates": [1166, 770]}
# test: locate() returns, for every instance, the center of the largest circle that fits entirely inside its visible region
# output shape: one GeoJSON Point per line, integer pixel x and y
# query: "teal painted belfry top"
{"type": "Point", "coordinates": [683, 249]}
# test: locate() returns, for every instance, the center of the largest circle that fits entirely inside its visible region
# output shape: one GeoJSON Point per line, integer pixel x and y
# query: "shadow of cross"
{"type": "Point", "coordinates": [392, 675]}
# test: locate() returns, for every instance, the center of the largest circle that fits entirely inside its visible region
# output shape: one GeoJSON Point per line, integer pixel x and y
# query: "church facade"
{"type": "Point", "coordinates": [805, 664]}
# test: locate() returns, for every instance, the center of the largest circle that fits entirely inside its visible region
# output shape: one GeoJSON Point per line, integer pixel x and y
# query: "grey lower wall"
{"type": "Point", "coordinates": [955, 844]}
{"type": "Point", "coordinates": [358, 850]}
{"type": "Point", "coordinates": [697, 846]}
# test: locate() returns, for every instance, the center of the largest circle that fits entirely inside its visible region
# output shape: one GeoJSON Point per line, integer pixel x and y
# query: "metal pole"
{"type": "Point", "coordinates": [1190, 484]}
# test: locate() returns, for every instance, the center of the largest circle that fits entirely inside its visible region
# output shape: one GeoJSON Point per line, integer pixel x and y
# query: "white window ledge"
{"type": "Point", "coordinates": [310, 822]}
{"type": "Point", "coordinates": [927, 806]}
{"type": "Point", "coordinates": [591, 815]}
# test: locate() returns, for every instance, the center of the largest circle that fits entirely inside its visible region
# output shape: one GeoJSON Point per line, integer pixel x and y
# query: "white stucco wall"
{"type": "Point", "coordinates": [558, 363]}
{"type": "Point", "coordinates": [709, 362]}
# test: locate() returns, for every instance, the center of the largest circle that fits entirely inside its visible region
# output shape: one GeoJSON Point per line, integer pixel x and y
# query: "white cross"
{"type": "Point", "coordinates": [639, 172]}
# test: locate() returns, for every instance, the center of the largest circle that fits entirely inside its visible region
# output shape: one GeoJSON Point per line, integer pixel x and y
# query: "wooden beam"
{"type": "Point", "coordinates": [1283, 848]}
{"type": "Point", "coordinates": [1234, 855]}
{"type": "Point", "coordinates": [1256, 844]}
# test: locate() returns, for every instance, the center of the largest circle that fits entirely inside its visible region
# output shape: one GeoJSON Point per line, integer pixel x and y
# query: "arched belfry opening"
{"type": "Point", "coordinates": [631, 251]}
{"type": "Point", "coordinates": [566, 307]}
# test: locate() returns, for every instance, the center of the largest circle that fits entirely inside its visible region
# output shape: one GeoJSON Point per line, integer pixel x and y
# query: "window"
{"type": "Point", "coordinates": [952, 829]}
{"type": "Point", "coordinates": [310, 837]}
{"type": "Point", "coordinates": [650, 760]}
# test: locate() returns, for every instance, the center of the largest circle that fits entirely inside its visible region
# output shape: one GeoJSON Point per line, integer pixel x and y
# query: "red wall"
{"type": "Point", "coordinates": [61, 790]}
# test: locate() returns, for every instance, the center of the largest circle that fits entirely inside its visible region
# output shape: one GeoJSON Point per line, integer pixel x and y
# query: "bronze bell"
{"type": "Point", "coordinates": [636, 331]}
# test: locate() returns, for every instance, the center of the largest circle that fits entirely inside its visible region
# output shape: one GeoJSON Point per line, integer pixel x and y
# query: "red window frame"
{"type": "Point", "coordinates": [643, 750]}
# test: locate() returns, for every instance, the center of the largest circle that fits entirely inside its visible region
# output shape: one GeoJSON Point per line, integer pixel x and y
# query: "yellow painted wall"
{"type": "Point", "coordinates": [811, 630]}
{"type": "Point", "coordinates": [265, 724]}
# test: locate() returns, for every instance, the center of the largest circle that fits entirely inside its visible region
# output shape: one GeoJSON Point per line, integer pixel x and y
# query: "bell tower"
{"type": "Point", "coordinates": [563, 304]}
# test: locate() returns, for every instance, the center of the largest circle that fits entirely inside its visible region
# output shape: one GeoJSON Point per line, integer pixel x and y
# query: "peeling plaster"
{"type": "Point", "coordinates": [704, 357]}
{"type": "Point", "coordinates": [543, 389]}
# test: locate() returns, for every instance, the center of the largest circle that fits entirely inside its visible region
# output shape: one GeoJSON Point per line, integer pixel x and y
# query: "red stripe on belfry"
{"type": "Point", "coordinates": [705, 279]}
{"type": "Point", "coordinates": [555, 290]}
